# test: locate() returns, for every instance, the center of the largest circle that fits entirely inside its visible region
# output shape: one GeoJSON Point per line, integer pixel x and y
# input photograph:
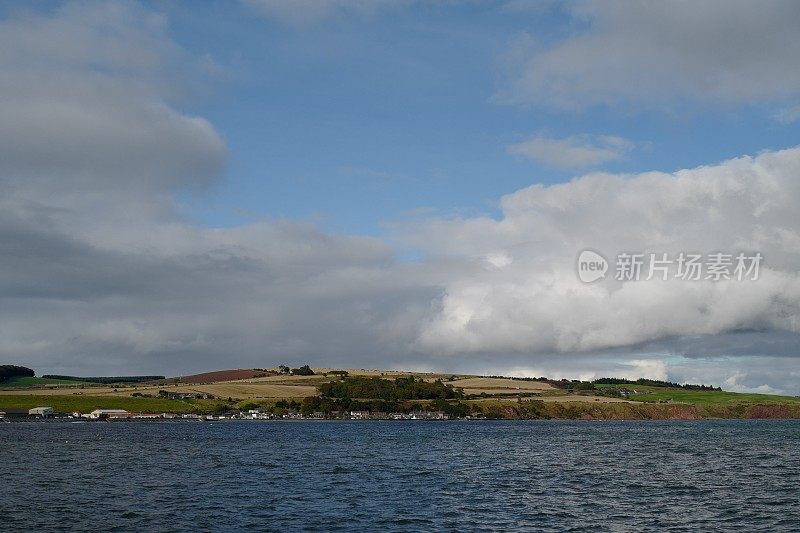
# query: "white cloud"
{"type": "Point", "coordinates": [758, 374]}
{"type": "Point", "coordinates": [535, 303]}
{"type": "Point", "coordinates": [733, 384]}
{"type": "Point", "coordinates": [718, 51]}
{"type": "Point", "coordinates": [589, 370]}
{"type": "Point", "coordinates": [645, 368]}
{"type": "Point", "coordinates": [576, 151]}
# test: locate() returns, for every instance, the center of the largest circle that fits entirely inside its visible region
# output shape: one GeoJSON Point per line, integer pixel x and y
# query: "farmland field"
{"type": "Point", "coordinates": [86, 404]}
{"type": "Point", "coordinates": [234, 389]}
{"type": "Point", "coordinates": [650, 394]}
{"type": "Point", "coordinates": [709, 397]}
{"type": "Point", "coordinates": [254, 386]}
{"type": "Point", "coordinates": [478, 385]}
{"type": "Point", "coordinates": [249, 389]}
{"type": "Point", "coordinates": [264, 387]}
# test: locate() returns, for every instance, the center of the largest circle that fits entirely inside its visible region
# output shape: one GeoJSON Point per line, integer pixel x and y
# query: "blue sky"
{"type": "Point", "coordinates": [357, 120]}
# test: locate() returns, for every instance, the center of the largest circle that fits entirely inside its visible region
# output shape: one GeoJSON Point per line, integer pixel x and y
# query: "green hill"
{"type": "Point", "coordinates": [30, 381]}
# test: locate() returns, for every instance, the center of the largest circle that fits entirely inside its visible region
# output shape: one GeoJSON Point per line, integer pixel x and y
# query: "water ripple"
{"type": "Point", "coordinates": [401, 476]}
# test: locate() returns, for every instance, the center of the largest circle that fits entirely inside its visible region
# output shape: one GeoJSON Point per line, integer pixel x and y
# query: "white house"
{"type": "Point", "coordinates": [41, 411]}
{"type": "Point", "coordinates": [103, 413]}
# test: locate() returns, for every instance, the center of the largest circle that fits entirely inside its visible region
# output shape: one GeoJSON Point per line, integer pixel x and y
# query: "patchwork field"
{"type": "Point", "coordinates": [257, 388]}
{"type": "Point", "coordinates": [255, 385]}
{"type": "Point", "coordinates": [238, 389]}
{"type": "Point", "coordinates": [86, 404]}
{"type": "Point", "coordinates": [267, 387]}
{"type": "Point", "coordinates": [650, 394]}
{"type": "Point", "coordinates": [499, 386]}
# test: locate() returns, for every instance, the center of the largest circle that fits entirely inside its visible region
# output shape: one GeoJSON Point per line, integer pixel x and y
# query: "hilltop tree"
{"type": "Point", "coordinates": [304, 370]}
{"type": "Point", "coordinates": [11, 371]}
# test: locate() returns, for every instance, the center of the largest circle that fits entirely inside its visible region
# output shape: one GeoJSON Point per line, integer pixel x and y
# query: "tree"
{"type": "Point", "coordinates": [11, 371]}
{"type": "Point", "coordinates": [304, 370]}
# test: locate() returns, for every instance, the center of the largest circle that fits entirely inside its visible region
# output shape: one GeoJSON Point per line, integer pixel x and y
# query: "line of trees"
{"type": "Point", "coordinates": [106, 380]}
{"type": "Point", "coordinates": [304, 370]}
{"type": "Point", "coordinates": [654, 383]}
{"type": "Point", "coordinates": [402, 388]}
{"type": "Point", "coordinates": [576, 384]}
{"type": "Point", "coordinates": [360, 393]}
{"type": "Point", "coordinates": [11, 371]}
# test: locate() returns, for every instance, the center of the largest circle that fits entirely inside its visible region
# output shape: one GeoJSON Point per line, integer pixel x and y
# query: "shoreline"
{"type": "Point", "coordinates": [368, 397]}
{"type": "Point", "coordinates": [335, 421]}
{"type": "Point", "coordinates": [203, 419]}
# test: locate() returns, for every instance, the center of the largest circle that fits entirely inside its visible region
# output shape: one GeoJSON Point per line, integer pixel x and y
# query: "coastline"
{"type": "Point", "coordinates": [325, 394]}
{"type": "Point", "coordinates": [525, 410]}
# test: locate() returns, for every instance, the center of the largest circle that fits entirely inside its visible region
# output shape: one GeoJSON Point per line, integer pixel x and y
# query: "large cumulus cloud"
{"type": "Point", "coordinates": [523, 294]}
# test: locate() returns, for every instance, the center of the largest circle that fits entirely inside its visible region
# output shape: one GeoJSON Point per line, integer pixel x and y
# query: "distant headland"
{"type": "Point", "coordinates": [360, 394]}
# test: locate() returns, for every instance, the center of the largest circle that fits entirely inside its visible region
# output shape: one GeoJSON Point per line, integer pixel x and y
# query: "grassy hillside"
{"type": "Point", "coordinates": [695, 397]}
{"type": "Point", "coordinates": [86, 404]}
{"type": "Point", "coordinates": [494, 397]}
{"type": "Point", "coordinates": [715, 397]}
{"type": "Point", "coordinates": [29, 381]}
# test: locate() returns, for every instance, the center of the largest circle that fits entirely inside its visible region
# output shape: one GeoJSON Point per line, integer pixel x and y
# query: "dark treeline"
{"type": "Point", "coordinates": [567, 384]}
{"type": "Point", "coordinates": [543, 379]}
{"type": "Point", "coordinates": [653, 383]}
{"type": "Point", "coordinates": [11, 371]}
{"type": "Point", "coordinates": [304, 370]}
{"type": "Point", "coordinates": [384, 395]}
{"type": "Point", "coordinates": [576, 384]}
{"type": "Point", "coordinates": [106, 379]}
{"type": "Point", "coordinates": [403, 388]}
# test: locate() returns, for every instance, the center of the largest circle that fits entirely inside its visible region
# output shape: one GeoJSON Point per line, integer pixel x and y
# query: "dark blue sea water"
{"type": "Point", "coordinates": [401, 476]}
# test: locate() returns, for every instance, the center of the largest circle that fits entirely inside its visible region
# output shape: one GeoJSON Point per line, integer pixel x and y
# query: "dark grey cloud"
{"type": "Point", "coordinates": [71, 305]}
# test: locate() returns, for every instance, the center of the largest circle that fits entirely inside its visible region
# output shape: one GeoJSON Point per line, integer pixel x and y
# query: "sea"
{"type": "Point", "coordinates": [711, 475]}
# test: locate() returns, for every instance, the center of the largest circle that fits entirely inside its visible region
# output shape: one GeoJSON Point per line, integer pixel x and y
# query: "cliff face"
{"type": "Point", "coordinates": [537, 409]}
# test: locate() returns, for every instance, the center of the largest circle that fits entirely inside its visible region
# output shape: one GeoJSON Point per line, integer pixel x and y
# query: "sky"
{"type": "Point", "coordinates": [399, 184]}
